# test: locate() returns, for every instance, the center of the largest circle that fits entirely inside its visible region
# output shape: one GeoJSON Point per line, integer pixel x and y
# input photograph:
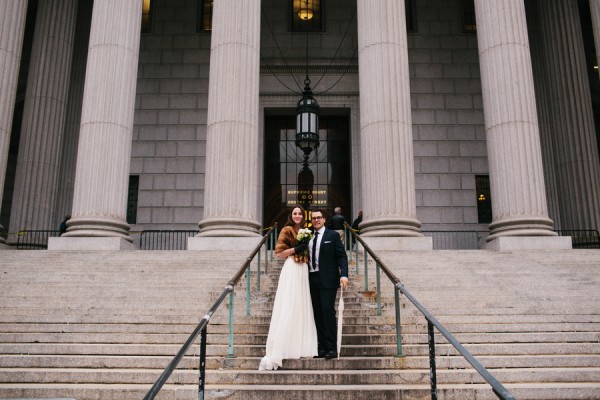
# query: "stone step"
{"type": "Point", "coordinates": [456, 324]}
{"type": "Point", "coordinates": [344, 363]}
{"type": "Point", "coordinates": [527, 391]}
{"type": "Point", "coordinates": [297, 377]}
{"type": "Point", "coordinates": [538, 310]}
{"type": "Point", "coordinates": [258, 350]}
{"type": "Point", "coordinates": [260, 339]}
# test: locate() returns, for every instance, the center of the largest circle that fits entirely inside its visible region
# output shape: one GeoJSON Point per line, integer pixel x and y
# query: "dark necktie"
{"type": "Point", "coordinates": [314, 251]}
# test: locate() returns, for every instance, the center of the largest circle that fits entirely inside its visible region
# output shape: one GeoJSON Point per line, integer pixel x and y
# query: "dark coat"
{"type": "Point", "coordinates": [333, 262]}
{"type": "Point", "coordinates": [336, 222]}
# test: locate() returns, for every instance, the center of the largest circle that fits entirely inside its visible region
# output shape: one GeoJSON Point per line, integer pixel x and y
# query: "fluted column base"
{"type": "Point", "coordinates": [391, 227]}
{"type": "Point", "coordinates": [226, 234]}
{"type": "Point", "coordinates": [98, 227]}
{"type": "Point", "coordinates": [394, 234]}
{"type": "Point", "coordinates": [521, 227]}
{"type": "Point", "coordinates": [229, 227]}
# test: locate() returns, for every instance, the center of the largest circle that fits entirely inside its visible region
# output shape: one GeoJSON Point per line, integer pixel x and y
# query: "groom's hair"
{"type": "Point", "coordinates": [321, 211]}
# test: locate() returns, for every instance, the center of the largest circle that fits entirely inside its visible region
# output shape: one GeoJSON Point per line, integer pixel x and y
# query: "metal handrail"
{"type": "Point", "coordinates": [582, 238]}
{"type": "Point", "coordinates": [201, 328]}
{"type": "Point", "coordinates": [34, 239]}
{"type": "Point", "coordinates": [497, 387]}
{"type": "Point", "coordinates": [154, 239]}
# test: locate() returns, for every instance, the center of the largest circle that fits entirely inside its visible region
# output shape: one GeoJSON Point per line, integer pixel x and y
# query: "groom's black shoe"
{"type": "Point", "coordinates": [330, 354]}
{"type": "Point", "coordinates": [321, 354]}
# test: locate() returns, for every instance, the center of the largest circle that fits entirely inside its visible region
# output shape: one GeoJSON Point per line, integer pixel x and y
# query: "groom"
{"type": "Point", "coordinates": [328, 269]}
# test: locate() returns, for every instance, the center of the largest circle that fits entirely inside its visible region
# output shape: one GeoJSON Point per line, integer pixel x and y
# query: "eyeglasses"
{"type": "Point", "coordinates": [316, 218]}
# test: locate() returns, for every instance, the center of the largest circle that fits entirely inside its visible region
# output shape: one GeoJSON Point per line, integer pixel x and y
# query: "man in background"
{"type": "Point", "coordinates": [336, 222]}
{"type": "Point", "coordinates": [355, 224]}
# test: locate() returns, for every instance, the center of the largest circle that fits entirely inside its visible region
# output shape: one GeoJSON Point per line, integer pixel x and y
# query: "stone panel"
{"type": "Point", "coordinates": [164, 182]}
{"type": "Point", "coordinates": [150, 198]}
{"type": "Point", "coordinates": [450, 182]}
{"type": "Point", "coordinates": [429, 215]}
{"type": "Point", "coordinates": [452, 215]}
{"type": "Point", "coordinates": [432, 132]}
{"type": "Point", "coordinates": [154, 165]}
{"type": "Point", "coordinates": [181, 133]}
{"type": "Point", "coordinates": [427, 181]}
{"type": "Point", "coordinates": [425, 149]}
{"type": "Point", "coordinates": [178, 198]}
{"type": "Point", "coordinates": [180, 165]}
{"type": "Point", "coordinates": [435, 165]}
{"type": "Point", "coordinates": [437, 198]}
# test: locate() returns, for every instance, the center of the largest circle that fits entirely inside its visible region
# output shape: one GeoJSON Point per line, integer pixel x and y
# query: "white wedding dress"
{"type": "Point", "coordinates": [292, 333]}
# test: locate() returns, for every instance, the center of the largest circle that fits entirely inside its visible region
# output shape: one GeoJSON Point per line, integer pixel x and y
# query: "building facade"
{"type": "Point", "coordinates": [435, 115]}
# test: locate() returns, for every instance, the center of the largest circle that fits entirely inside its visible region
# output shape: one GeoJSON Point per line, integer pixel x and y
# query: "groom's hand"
{"type": "Point", "coordinates": [344, 283]}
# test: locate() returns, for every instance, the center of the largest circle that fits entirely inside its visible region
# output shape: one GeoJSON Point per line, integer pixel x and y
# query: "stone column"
{"type": "Point", "coordinates": [573, 131]}
{"type": "Point", "coordinates": [386, 127]}
{"type": "Point", "coordinates": [38, 159]}
{"type": "Point", "coordinates": [103, 157]}
{"type": "Point", "coordinates": [231, 206]}
{"type": "Point", "coordinates": [595, 14]}
{"type": "Point", "coordinates": [73, 118]}
{"type": "Point", "coordinates": [12, 27]}
{"type": "Point", "coordinates": [514, 151]}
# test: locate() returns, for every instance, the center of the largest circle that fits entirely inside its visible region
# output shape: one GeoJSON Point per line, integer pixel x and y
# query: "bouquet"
{"type": "Point", "coordinates": [304, 236]}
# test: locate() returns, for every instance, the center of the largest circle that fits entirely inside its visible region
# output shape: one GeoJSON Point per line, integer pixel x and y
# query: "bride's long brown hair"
{"type": "Point", "coordinates": [290, 221]}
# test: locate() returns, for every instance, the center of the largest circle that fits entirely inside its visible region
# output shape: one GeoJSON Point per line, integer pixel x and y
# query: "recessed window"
{"type": "Point", "coordinates": [205, 12]}
{"type": "Point", "coordinates": [146, 16]}
{"type": "Point", "coordinates": [132, 198]}
{"type": "Point", "coordinates": [306, 15]}
{"type": "Point", "coordinates": [467, 10]}
{"type": "Point", "coordinates": [484, 200]}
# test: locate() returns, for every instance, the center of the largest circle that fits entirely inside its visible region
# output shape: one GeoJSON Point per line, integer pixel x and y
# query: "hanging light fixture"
{"type": "Point", "coordinates": [307, 121]}
{"type": "Point", "coordinates": [306, 9]}
{"type": "Point", "coordinates": [307, 110]}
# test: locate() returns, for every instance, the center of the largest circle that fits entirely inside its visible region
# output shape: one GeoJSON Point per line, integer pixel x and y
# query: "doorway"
{"type": "Point", "coordinates": [324, 183]}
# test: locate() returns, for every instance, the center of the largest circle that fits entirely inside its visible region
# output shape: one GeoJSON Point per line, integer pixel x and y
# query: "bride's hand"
{"type": "Point", "coordinates": [285, 253]}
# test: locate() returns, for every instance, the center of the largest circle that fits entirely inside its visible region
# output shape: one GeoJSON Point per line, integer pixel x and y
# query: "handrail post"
{"type": "Point", "coordinates": [267, 255]}
{"type": "Point", "coordinates": [248, 278]}
{"type": "Point", "coordinates": [345, 238]}
{"type": "Point", "coordinates": [272, 241]}
{"type": "Point", "coordinates": [398, 326]}
{"type": "Point", "coordinates": [349, 241]}
{"type": "Point", "coordinates": [432, 372]}
{"type": "Point", "coordinates": [258, 272]}
{"type": "Point", "coordinates": [231, 302]}
{"type": "Point", "coordinates": [366, 273]}
{"type": "Point", "coordinates": [378, 289]}
{"type": "Point", "coordinates": [202, 377]}
{"type": "Point", "coordinates": [357, 256]}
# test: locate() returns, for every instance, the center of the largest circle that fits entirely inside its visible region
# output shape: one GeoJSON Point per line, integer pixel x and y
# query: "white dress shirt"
{"type": "Point", "coordinates": [310, 247]}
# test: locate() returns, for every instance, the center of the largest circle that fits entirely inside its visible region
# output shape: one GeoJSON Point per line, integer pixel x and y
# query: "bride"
{"type": "Point", "coordinates": [292, 333]}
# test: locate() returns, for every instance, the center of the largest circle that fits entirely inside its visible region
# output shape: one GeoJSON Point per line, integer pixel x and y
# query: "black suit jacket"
{"type": "Point", "coordinates": [333, 262]}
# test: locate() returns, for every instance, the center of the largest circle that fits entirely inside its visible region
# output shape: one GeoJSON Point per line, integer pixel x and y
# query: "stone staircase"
{"type": "Point", "coordinates": [96, 325]}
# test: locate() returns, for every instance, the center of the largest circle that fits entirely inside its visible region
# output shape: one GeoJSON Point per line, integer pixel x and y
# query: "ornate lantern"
{"type": "Point", "coordinates": [307, 121]}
